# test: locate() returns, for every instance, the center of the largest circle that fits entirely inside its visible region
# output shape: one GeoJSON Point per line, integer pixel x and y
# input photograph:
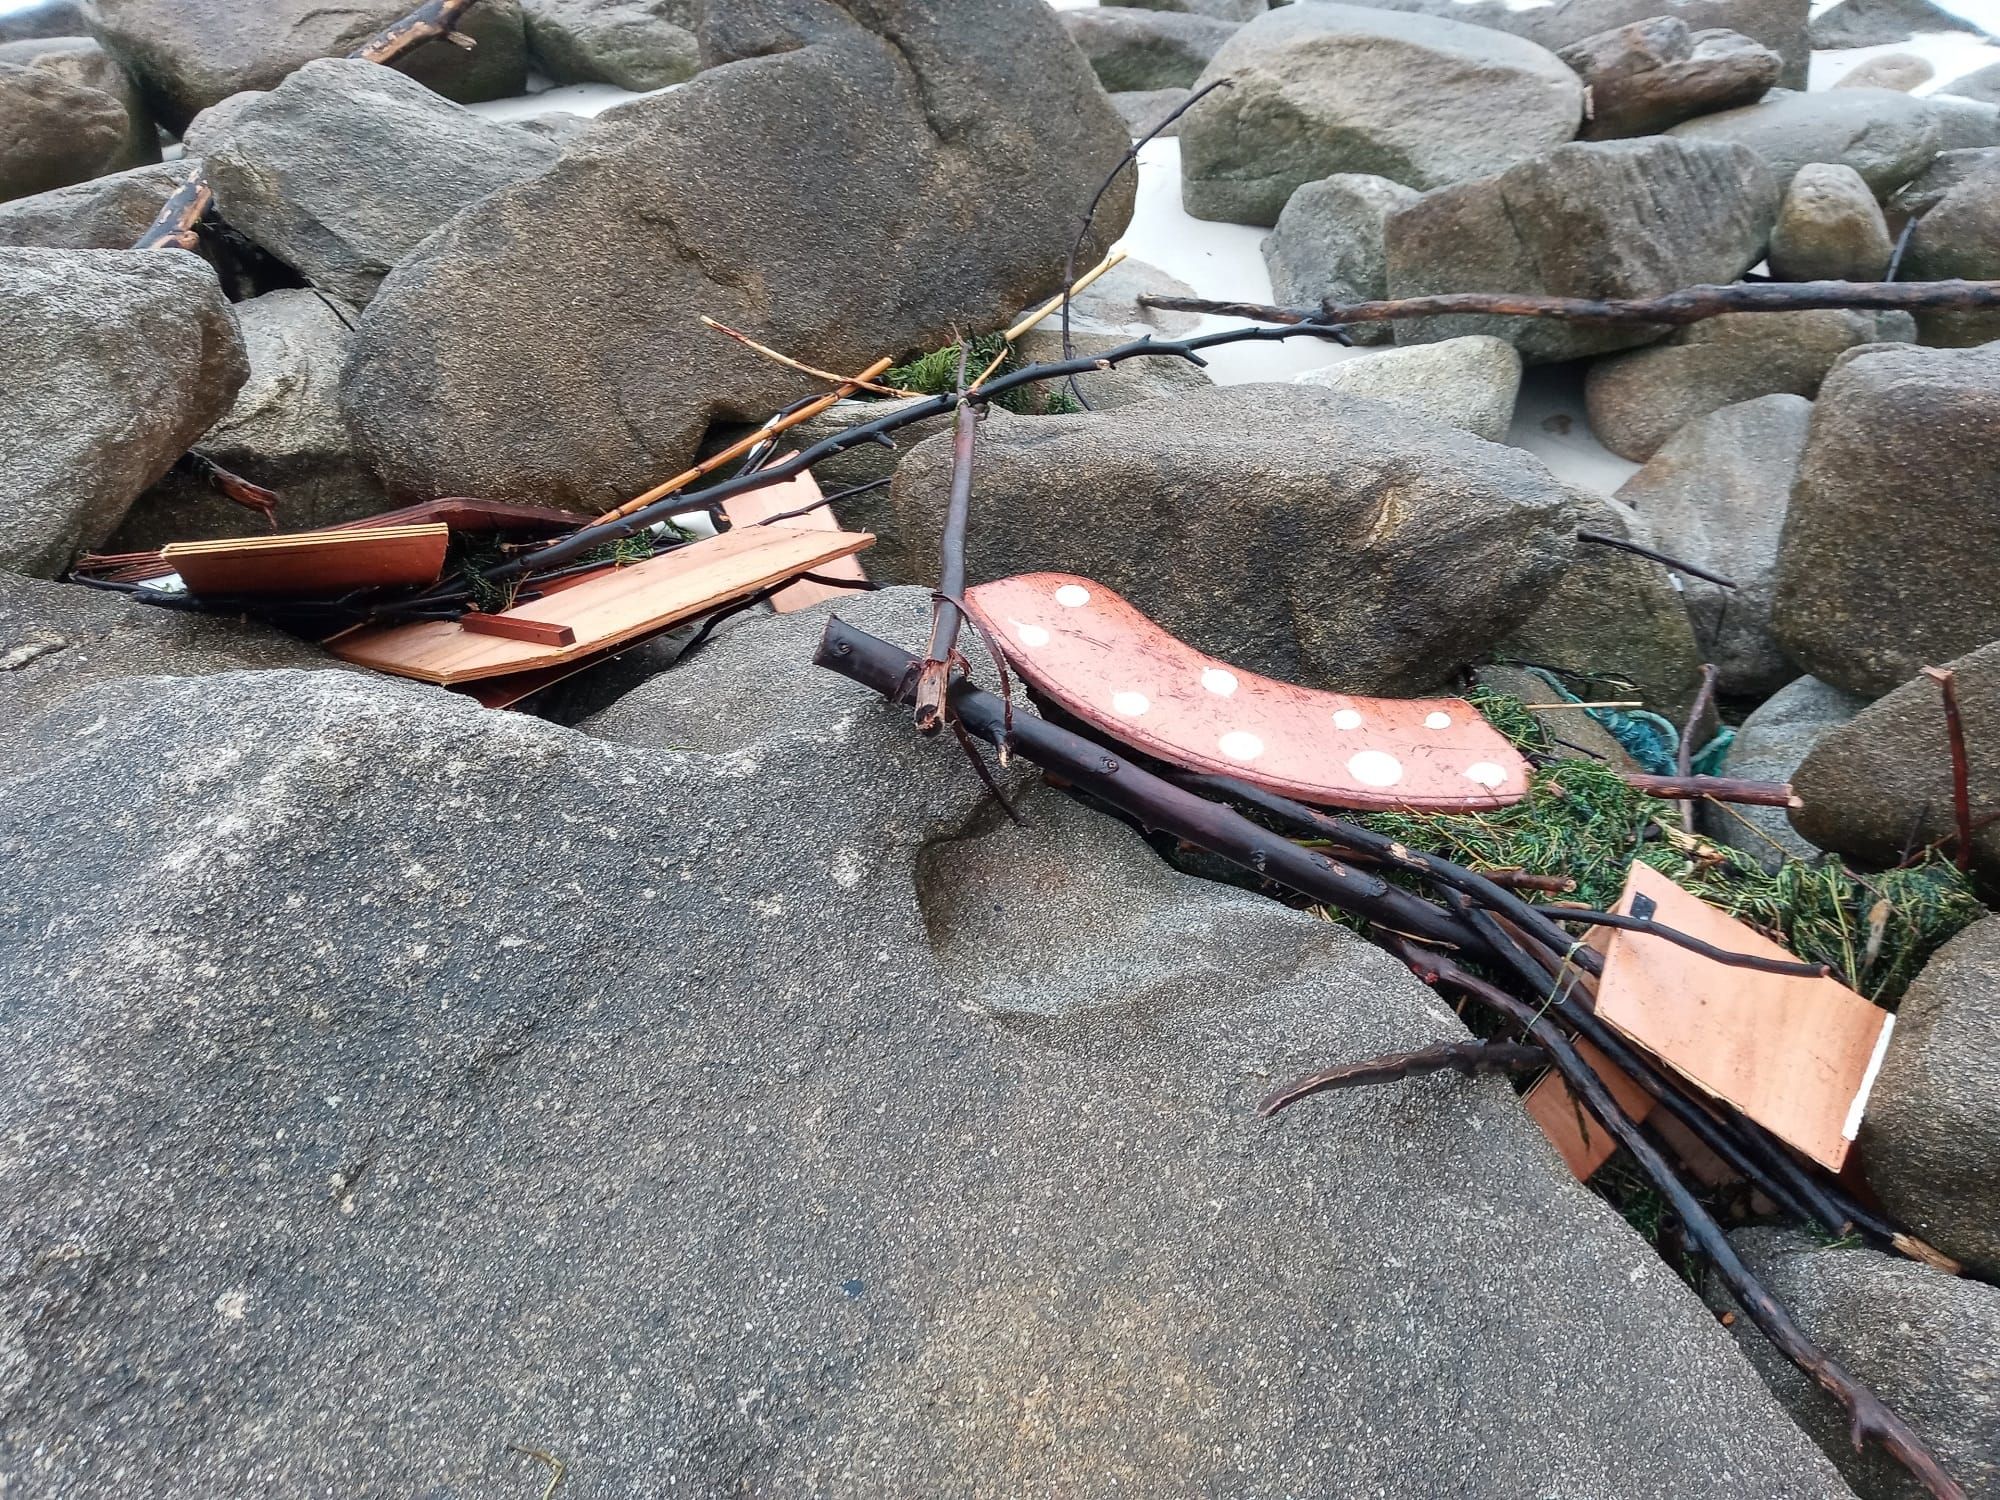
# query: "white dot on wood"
{"type": "Point", "coordinates": [1346, 718]}
{"type": "Point", "coordinates": [1130, 704]}
{"type": "Point", "coordinates": [1375, 768]}
{"type": "Point", "coordinates": [1240, 744]}
{"type": "Point", "coordinates": [1219, 682]}
{"type": "Point", "coordinates": [1072, 596]}
{"type": "Point", "coordinates": [1485, 773]}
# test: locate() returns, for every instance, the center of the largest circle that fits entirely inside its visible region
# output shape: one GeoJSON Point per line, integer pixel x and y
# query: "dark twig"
{"type": "Point", "coordinates": [1961, 768]}
{"type": "Point", "coordinates": [234, 487]}
{"type": "Point", "coordinates": [1693, 944]}
{"type": "Point", "coordinates": [1676, 309]}
{"type": "Point", "coordinates": [945, 614]}
{"type": "Point", "coordinates": [1902, 244]}
{"type": "Point", "coordinates": [1868, 1416]}
{"type": "Point", "coordinates": [1715, 788]}
{"type": "Point", "coordinates": [1704, 699]}
{"type": "Point", "coordinates": [1598, 538]}
{"type": "Point", "coordinates": [1470, 1058]}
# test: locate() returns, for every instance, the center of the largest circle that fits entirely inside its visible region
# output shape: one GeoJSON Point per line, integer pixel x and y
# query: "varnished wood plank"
{"type": "Point", "coordinates": [753, 506]}
{"type": "Point", "coordinates": [311, 563]}
{"type": "Point", "coordinates": [541, 632]}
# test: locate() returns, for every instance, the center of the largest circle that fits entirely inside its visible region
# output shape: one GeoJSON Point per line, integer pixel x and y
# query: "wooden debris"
{"type": "Point", "coordinates": [790, 497]}
{"type": "Point", "coordinates": [1103, 661]}
{"type": "Point", "coordinates": [309, 564]}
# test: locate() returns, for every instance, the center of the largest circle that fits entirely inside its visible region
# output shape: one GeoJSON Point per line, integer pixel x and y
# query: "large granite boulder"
{"type": "Point", "coordinates": [105, 213]}
{"type": "Point", "coordinates": [714, 1105]}
{"type": "Point", "coordinates": [1877, 23]}
{"type": "Point", "coordinates": [59, 131]}
{"type": "Point", "coordinates": [1886, 136]}
{"type": "Point", "coordinates": [1870, 590]}
{"type": "Point", "coordinates": [80, 61]}
{"type": "Point", "coordinates": [1614, 621]}
{"type": "Point", "coordinates": [1932, 1134]}
{"type": "Point", "coordinates": [283, 432]}
{"type": "Point", "coordinates": [1920, 1339]}
{"type": "Point", "coordinates": [1319, 89]}
{"type": "Point", "coordinates": [1715, 496]}
{"type": "Point", "coordinates": [1981, 84]}
{"type": "Point", "coordinates": [1770, 744]}
{"type": "Point", "coordinates": [44, 18]}
{"type": "Point", "coordinates": [1469, 383]}
{"type": "Point", "coordinates": [1881, 786]}
{"type": "Point", "coordinates": [1603, 219]}
{"type": "Point", "coordinates": [1327, 245]}
{"type": "Point", "coordinates": [1146, 49]}
{"type": "Point", "coordinates": [347, 166]}
{"type": "Point", "coordinates": [1956, 203]}
{"type": "Point", "coordinates": [118, 360]}
{"type": "Point", "coordinates": [1639, 400]}
{"type": "Point", "coordinates": [1656, 72]}
{"type": "Point", "coordinates": [1338, 541]}
{"type": "Point", "coordinates": [545, 345]}
{"type": "Point", "coordinates": [190, 54]}
{"type": "Point", "coordinates": [1227, 10]}
{"type": "Point", "coordinates": [634, 44]}
{"type": "Point", "coordinates": [1830, 228]}
{"type": "Point", "coordinates": [1902, 71]}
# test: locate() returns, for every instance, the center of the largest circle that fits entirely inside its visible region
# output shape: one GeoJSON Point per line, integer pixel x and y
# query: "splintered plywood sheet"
{"type": "Point", "coordinates": [312, 563]}
{"type": "Point", "coordinates": [752, 506]}
{"type": "Point", "coordinates": [1105, 662]}
{"type": "Point", "coordinates": [1796, 1055]}
{"type": "Point", "coordinates": [605, 609]}
{"type": "Point", "coordinates": [1578, 1135]}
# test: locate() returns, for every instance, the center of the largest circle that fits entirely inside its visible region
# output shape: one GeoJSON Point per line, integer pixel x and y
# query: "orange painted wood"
{"type": "Point", "coordinates": [539, 631]}
{"type": "Point", "coordinates": [312, 563]}
{"type": "Point", "coordinates": [606, 609]}
{"type": "Point", "coordinates": [1578, 1136]}
{"type": "Point", "coordinates": [753, 506]}
{"type": "Point", "coordinates": [1109, 665]}
{"type": "Point", "coordinates": [1796, 1055]}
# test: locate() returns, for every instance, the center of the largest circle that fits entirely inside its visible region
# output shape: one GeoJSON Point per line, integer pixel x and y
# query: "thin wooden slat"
{"type": "Point", "coordinates": [753, 506]}
{"type": "Point", "coordinates": [1106, 663]}
{"type": "Point", "coordinates": [1796, 1055]}
{"type": "Point", "coordinates": [617, 605]}
{"type": "Point", "coordinates": [311, 563]}
{"type": "Point", "coordinates": [539, 631]}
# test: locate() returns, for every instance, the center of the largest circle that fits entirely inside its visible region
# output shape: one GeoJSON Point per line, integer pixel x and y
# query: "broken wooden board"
{"type": "Point", "coordinates": [754, 506]}
{"type": "Point", "coordinates": [1797, 1055]}
{"type": "Point", "coordinates": [1106, 663]}
{"type": "Point", "coordinates": [606, 609]}
{"type": "Point", "coordinates": [1579, 1136]}
{"type": "Point", "coordinates": [311, 564]}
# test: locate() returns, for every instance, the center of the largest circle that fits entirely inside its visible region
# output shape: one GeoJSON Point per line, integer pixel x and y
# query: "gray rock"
{"type": "Point", "coordinates": [1146, 49]}
{"type": "Point", "coordinates": [346, 167]}
{"type": "Point", "coordinates": [1901, 71]}
{"type": "Point", "coordinates": [190, 54]}
{"type": "Point", "coordinates": [1653, 73]}
{"type": "Point", "coordinates": [1830, 228]}
{"type": "Point", "coordinates": [283, 432]}
{"type": "Point", "coordinates": [1770, 744]}
{"type": "Point", "coordinates": [1932, 1131]}
{"type": "Point", "coordinates": [58, 131]}
{"type": "Point", "coordinates": [748, 1107]}
{"type": "Point", "coordinates": [1469, 383]}
{"type": "Point", "coordinates": [1125, 384]}
{"type": "Point", "coordinates": [1777, 24]}
{"type": "Point", "coordinates": [866, 462]}
{"type": "Point", "coordinates": [1715, 495]}
{"type": "Point", "coordinates": [1868, 591]}
{"type": "Point", "coordinates": [1885, 136]}
{"type": "Point", "coordinates": [1881, 785]}
{"type": "Point", "coordinates": [1878, 23]}
{"type": "Point", "coordinates": [1958, 234]}
{"type": "Point", "coordinates": [85, 64]}
{"type": "Point", "coordinates": [1982, 84]}
{"type": "Point", "coordinates": [635, 44]}
{"type": "Point", "coordinates": [1328, 245]}
{"type": "Point", "coordinates": [1639, 400]}
{"type": "Point", "coordinates": [1614, 618]}
{"type": "Point", "coordinates": [557, 125]}
{"type": "Point", "coordinates": [120, 360]}
{"type": "Point", "coordinates": [1142, 109]}
{"type": "Point", "coordinates": [1604, 219]}
{"type": "Point", "coordinates": [58, 638]}
{"type": "Point", "coordinates": [1964, 124]}
{"type": "Point", "coordinates": [1111, 304]}
{"type": "Point", "coordinates": [105, 213]}
{"type": "Point", "coordinates": [46, 18]}
{"type": "Point", "coordinates": [1576, 734]}
{"type": "Point", "coordinates": [1920, 1339]}
{"type": "Point", "coordinates": [1227, 10]}
{"type": "Point", "coordinates": [1339, 541]}
{"type": "Point", "coordinates": [1318, 89]}
{"type": "Point", "coordinates": [544, 345]}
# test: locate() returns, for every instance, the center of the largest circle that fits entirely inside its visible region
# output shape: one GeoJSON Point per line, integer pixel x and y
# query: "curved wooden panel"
{"type": "Point", "coordinates": [1103, 661]}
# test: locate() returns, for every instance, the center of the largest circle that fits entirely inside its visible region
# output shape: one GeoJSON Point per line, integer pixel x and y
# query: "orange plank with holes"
{"type": "Point", "coordinates": [1105, 662]}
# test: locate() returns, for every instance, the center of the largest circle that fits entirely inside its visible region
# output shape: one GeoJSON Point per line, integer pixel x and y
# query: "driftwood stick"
{"type": "Point", "coordinates": [1869, 1418]}
{"type": "Point", "coordinates": [945, 615]}
{"type": "Point", "coordinates": [849, 382]}
{"type": "Point", "coordinates": [1598, 538]}
{"type": "Point", "coordinates": [175, 227]}
{"type": "Point", "coordinates": [1704, 699]}
{"type": "Point", "coordinates": [1961, 766]}
{"type": "Point", "coordinates": [1716, 788]}
{"type": "Point", "coordinates": [1693, 944]}
{"type": "Point", "coordinates": [1470, 1058]}
{"type": "Point", "coordinates": [1691, 304]}
{"type": "Point", "coordinates": [234, 487]}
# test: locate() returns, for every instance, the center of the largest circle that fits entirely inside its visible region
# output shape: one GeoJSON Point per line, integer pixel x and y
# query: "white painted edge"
{"type": "Point", "coordinates": [1852, 1128]}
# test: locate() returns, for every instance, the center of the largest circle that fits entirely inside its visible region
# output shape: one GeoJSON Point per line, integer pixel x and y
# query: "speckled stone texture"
{"type": "Point", "coordinates": [734, 1103]}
